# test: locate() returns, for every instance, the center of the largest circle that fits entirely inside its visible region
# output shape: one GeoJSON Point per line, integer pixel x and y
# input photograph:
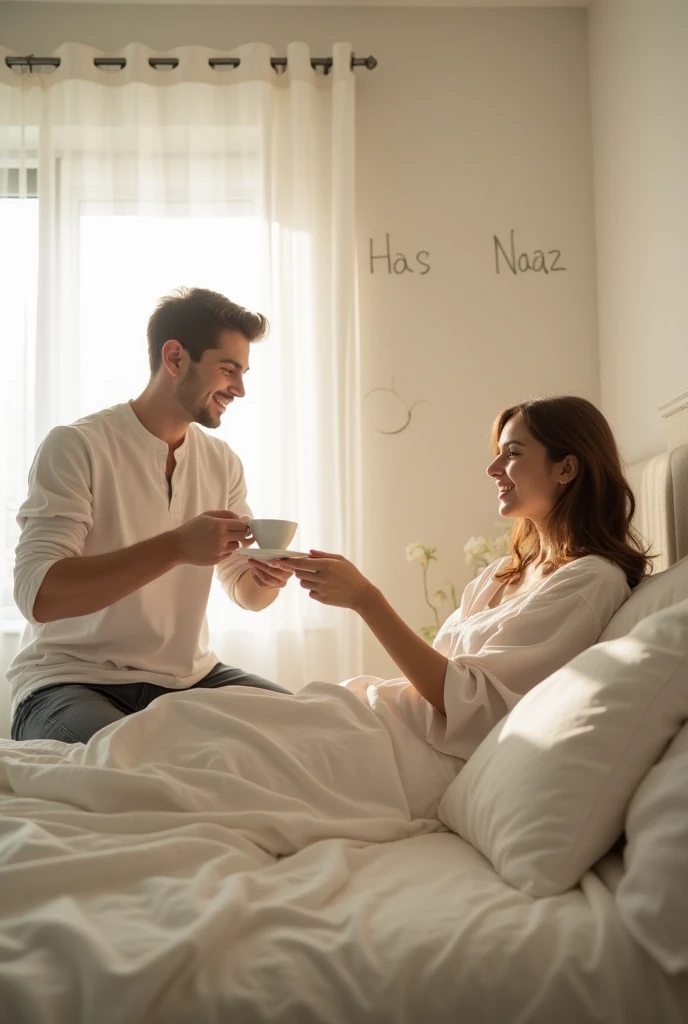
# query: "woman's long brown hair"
{"type": "Point", "coordinates": [593, 514]}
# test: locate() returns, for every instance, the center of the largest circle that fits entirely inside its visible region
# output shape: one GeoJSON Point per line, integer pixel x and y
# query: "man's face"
{"type": "Point", "coordinates": [211, 384]}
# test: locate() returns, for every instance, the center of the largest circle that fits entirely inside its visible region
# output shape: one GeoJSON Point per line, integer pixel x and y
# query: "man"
{"type": "Point", "coordinates": [127, 513]}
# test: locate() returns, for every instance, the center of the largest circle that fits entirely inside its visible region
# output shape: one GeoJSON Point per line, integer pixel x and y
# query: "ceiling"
{"type": "Point", "coordinates": [341, 3]}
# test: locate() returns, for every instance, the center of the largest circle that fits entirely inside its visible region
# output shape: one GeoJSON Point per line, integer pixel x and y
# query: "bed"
{"type": "Point", "coordinates": [216, 888]}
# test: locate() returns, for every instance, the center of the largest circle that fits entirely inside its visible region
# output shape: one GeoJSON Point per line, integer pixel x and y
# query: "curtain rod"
{"type": "Point", "coordinates": [325, 63]}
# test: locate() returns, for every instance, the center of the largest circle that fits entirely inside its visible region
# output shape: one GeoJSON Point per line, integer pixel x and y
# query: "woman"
{"type": "Point", "coordinates": [574, 559]}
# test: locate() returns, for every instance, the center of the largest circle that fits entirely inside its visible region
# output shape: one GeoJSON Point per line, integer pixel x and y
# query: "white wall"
{"type": "Point", "coordinates": [475, 122]}
{"type": "Point", "coordinates": [639, 96]}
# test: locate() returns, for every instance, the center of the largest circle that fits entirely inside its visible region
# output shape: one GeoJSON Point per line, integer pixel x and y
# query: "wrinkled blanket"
{"type": "Point", "coordinates": [126, 861]}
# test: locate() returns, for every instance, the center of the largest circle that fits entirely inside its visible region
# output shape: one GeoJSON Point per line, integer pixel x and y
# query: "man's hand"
{"type": "Point", "coordinates": [270, 575]}
{"type": "Point", "coordinates": [248, 537]}
{"type": "Point", "coordinates": [210, 537]}
{"type": "Point", "coordinates": [83, 584]}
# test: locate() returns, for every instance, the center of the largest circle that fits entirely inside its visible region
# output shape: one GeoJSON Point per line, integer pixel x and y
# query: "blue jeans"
{"type": "Point", "coordinates": [73, 712]}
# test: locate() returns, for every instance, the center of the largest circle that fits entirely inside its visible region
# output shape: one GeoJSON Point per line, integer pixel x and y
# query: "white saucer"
{"type": "Point", "coordinates": [268, 554]}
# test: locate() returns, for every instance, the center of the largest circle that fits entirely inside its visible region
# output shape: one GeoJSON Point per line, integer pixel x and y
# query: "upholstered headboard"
{"type": "Point", "coordinates": [660, 486]}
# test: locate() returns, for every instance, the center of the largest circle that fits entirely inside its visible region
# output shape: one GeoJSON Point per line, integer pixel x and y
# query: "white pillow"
{"type": "Point", "coordinates": [653, 894]}
{"type": "Point", "coordinates": [653, 594]}
{"type": "Point", "coordinates": [545, 793]}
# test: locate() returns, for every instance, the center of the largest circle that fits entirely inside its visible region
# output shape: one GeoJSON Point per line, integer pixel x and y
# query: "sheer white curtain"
{"type": "Point", "coordinates": [116, 186]}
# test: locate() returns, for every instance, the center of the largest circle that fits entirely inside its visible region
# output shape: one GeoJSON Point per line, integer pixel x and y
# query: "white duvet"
{"type": "Point", "coordinates": [242, 856]}
{"type": "Point", "coordinates": [114, 856]}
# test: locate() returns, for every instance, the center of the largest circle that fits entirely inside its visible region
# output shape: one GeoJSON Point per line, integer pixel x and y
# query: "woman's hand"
{"type": "Point", "coordinates": [332, 579]}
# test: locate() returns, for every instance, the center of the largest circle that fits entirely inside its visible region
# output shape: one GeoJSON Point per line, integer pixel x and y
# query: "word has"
{"type": "Point", "coordinates": [399, 264]}
{"type": "Point", "coordinates": [522, 262]}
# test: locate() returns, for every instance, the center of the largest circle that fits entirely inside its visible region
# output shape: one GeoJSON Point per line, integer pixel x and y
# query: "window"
{"type": "Point", "coordinates": [18, 287]}
{"type": "Point", "coordinates": [126, 262]}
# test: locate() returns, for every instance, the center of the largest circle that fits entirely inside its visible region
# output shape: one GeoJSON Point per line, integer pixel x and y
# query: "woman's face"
{"type": "Point", "coordinates": [528, 485]}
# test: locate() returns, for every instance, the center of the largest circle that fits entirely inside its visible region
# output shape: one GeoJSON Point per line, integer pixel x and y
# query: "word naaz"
{"type": "Point", "coordinates": [522, 264]}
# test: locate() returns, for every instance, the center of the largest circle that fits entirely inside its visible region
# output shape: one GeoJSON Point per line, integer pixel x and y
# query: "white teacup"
{"type": "Point", "coordinates": [272, 533]}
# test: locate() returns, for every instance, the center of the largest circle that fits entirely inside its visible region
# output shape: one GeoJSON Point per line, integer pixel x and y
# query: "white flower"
{"type": "Point", "coordinates": [415, 553]}
{"type": "Point", "coordinates": [499, 546]}
{"type": "Point", "coordinates": [475, 550]}
{"type": "Point", "coordinates": [482, 551]}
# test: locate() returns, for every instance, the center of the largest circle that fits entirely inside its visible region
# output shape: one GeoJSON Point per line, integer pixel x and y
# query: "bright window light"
{"type": "Point", "coordinates": [127, 262]}
{"type": "Point", "coordinates": [18, 285]}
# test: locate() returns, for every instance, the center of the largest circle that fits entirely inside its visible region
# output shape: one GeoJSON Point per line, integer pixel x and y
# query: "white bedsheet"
{"type": "Point", "coordinates": [240, 856]}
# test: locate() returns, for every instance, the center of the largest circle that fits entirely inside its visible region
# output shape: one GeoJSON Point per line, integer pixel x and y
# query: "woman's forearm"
{"type": "Point", "coordinates": [420, 663]}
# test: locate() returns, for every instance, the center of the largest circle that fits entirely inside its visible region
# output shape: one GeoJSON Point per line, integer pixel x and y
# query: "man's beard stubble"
{"type": "Point", "coordinates": [189, 399]}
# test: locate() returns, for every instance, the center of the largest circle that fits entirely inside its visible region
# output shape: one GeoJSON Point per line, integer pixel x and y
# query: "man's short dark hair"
{"type": "Point", "coordinates": [195, 317]}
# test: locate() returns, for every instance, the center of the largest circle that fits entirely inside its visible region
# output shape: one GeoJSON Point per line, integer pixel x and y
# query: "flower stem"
{"type": "Point", "coordinates": [427, 597]}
